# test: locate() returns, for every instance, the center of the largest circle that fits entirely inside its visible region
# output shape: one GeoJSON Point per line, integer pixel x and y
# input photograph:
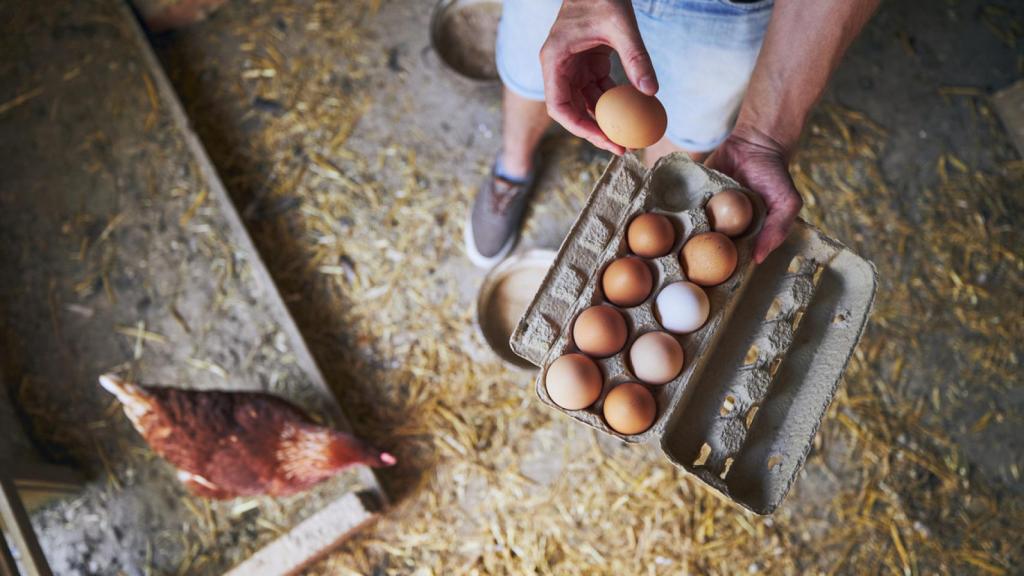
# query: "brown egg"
{"type": "Point", "coordinates": [730, 212]}
{"type": "Point", "coordinates": [600, 331]}
{"type": "Point", "coordinates": [630, 408]}
{"type": "Point", "coordinates": [708, 259]}
{"type": "Point", "coordinates": [650, 235]}
{"type": "Point", "coordinates": [573, 381]}
{"type": "Point", "coordinates": [656, 357]}
{"type": "Point", "coordinates": [629, 117]}
{"type": "Point", "coordinates": [627, 281]}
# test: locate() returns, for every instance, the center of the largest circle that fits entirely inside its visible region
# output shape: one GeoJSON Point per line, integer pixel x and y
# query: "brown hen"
{"type": "Point", "coordinates": [229, 444]}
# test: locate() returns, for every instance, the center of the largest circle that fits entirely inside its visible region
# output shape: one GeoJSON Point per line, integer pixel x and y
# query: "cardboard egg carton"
{"type": "Point", "coordinates": [760, 373]}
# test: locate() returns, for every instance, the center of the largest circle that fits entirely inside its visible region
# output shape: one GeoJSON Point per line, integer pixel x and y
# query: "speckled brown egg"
{"type": "Point", "coordinates": [573, 381]}
{"type": "Point", "coordinates": [599, 331]}
{"type": "Point", "coordinates": [708, 259]}
{"type": "Point", "coordinates": [730, 212]}
{"type": "Point", "coordinates": [630, 408]}
{"type": "Point", "coordinates": [629, 117]}
{"type": "Point", "coordinates": [650, 235]}
{"type": "Point", "coordinates": [627, 281]}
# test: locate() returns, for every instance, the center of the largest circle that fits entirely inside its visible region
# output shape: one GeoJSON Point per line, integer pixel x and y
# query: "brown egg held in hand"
{"type": "Point", "coordinates": [573, 381]}
{"type": "Point", "coordinates": [708, 259]}
{"type": "Point", "coordinates": [629, 117]}
{"type": "Point", "coordinates": [600, 331]}
{"type": "Point", "coordinates": [630, 408]}
{"type": "Point", "coordinates": [627, 281]}
{"type": "Point", "coordinates": [650, 235]}
{"type": "Point", "coordinates": [730, 212]}
{"type": "Point", "coordinates": [656, 357]}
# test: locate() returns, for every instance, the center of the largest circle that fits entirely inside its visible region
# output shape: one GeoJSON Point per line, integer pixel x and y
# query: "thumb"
{"type": "Point", "coordinates": [625, 39]}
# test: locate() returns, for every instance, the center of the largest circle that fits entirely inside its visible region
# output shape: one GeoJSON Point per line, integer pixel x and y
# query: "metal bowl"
{"type": "Point", "coordinates": [463, 34]}
{"type": "Point", "coordinates": [506, 292]}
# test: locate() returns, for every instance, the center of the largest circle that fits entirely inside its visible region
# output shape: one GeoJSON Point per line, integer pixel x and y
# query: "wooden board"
{"type": "Point", "coordinates": [314, 537]}
{"type": "Point", "coordinates": [19, 528]}
{"type": "Point", "coordinates": [1009, 103]}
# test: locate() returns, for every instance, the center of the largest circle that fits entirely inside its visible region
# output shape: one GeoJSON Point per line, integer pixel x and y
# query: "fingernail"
{"type": "Point", "coordinates": [648, 85]}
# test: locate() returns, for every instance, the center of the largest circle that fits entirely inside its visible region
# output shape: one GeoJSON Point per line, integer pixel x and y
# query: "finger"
{"type": "Point", "coordinates": [557, 65]}
{"type": "Point", "coordinates": [777, 224]}
{"type": "Point", "coordinates": [565, 109]}
{"type": "Point", "coordinates": [600, 69]}
{"type": "Point", "coordinates": [591, 93]}
{"type": "Point", "coordinates": [625, 39]}
{"type": "Point", "coordinates": [771, 237]}
{"type": "Point", "coordinates": [599, 140]}
{"type": "Point", "coordinates": [607, 145]}
{"type": "Point", "coordinates": [562, 107]}
{"type": "Point", "coordinates": [582, 125]}
{"type": "Point", "coordinates": [581, 100]}
{"type": "Point", "coordinates": [599, 64]}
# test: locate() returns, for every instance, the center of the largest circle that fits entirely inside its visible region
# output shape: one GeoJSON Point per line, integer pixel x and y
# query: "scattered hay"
{"type": "Point", "coordinates": [366, 245]}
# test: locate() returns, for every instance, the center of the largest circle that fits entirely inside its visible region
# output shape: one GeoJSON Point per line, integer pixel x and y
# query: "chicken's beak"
{"type": "Point", "coordinates": [346, 449]}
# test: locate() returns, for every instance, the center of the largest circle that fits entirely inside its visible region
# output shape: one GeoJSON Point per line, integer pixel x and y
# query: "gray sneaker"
{"type": "Point", "coordinates": [493, 224]}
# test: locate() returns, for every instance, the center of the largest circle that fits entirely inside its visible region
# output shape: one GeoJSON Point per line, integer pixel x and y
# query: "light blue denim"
{"type": "Point", "coordinates": [703, 53]}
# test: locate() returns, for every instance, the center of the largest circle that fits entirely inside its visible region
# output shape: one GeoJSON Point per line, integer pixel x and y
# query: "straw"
{"type": "Point", "coordinates": [367, 237]}
{"type": "Point", "coordinates": [364, 237]}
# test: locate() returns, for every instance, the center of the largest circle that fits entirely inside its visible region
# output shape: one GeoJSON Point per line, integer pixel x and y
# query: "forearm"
{"type": "Point", "coordinates": [803, 45]}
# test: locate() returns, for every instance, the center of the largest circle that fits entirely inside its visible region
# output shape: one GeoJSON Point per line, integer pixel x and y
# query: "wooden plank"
{"type": "Point", "coordinates": [1009, 104]}
{"type": "Point", "coordinates": [7, 565]}
{"type": "Point", "coordinates": [39, 483]}
{"type": "Point", "coordinates": [17, 524]}
{"type": "Point", "coordinates": [321, 532]}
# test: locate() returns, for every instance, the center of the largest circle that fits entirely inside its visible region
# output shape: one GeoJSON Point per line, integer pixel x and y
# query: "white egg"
{"type": "Point", "coordinates": [682, 307]}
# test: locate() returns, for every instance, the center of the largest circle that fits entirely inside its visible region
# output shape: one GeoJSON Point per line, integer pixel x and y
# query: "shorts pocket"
{"type": "Point", "coordinates": [752, 6]}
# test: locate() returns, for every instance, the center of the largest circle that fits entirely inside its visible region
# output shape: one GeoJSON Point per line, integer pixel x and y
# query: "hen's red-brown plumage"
{"type": "Point", "coordinates": [228, 444]}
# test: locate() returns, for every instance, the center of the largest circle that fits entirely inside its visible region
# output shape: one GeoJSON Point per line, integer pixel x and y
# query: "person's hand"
{"type": "Point", "coordinates": [576, 63]}
{"type": "Point", "coordinates": [758, 162]}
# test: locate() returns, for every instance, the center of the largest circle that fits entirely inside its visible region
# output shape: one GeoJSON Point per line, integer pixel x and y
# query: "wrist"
{"type": "Point", "coordinates": [779, 130]}
{"type": "Point", "coordinates": [749, 134]}
{"type": "Point", "coordinates": [597, 10]}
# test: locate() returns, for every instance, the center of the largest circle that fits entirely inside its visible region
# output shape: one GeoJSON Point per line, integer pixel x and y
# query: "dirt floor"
{"type": "Point", "coordinates": [353, 155]}
{"type": "Point", "coordinates": [356, 155]}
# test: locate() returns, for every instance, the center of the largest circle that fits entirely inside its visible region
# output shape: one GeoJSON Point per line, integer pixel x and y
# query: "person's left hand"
{"type": "Point", "coordinates": [761, 164]}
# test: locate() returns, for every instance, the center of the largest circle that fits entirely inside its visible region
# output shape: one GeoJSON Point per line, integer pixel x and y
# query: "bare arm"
{"type": "Point", "coordinates": [803, 45]}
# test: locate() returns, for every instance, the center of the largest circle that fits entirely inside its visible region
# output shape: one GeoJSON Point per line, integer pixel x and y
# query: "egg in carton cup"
{"type": "Point", "coordinates": [758, 374]}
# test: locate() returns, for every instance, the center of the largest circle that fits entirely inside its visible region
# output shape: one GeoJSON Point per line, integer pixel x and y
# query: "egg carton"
{"type": "Point", "coordinates": [761, 372]}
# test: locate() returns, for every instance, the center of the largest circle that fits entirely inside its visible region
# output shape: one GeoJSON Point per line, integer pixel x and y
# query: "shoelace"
{"type": "Point", "coordinates": [503, 193]}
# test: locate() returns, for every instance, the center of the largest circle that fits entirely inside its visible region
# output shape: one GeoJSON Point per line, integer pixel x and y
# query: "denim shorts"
{"type": "Point", "coordinates": [703, 53]}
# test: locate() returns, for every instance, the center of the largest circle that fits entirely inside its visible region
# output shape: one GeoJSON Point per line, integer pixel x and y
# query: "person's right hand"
{"type": "Point", "coordinates": [576, 63]}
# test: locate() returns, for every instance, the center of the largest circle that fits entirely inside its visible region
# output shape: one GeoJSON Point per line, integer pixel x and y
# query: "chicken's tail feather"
{"type": "Point", "coordinates": [136, 400]}
{"type": "Point", "coordinates": [118, 387]}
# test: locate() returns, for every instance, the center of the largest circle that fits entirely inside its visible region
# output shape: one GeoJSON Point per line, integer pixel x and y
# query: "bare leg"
{"type": "Point", "coordinates": [523, 123]}
{"type": "Point", "coordinates": [665, 146]}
